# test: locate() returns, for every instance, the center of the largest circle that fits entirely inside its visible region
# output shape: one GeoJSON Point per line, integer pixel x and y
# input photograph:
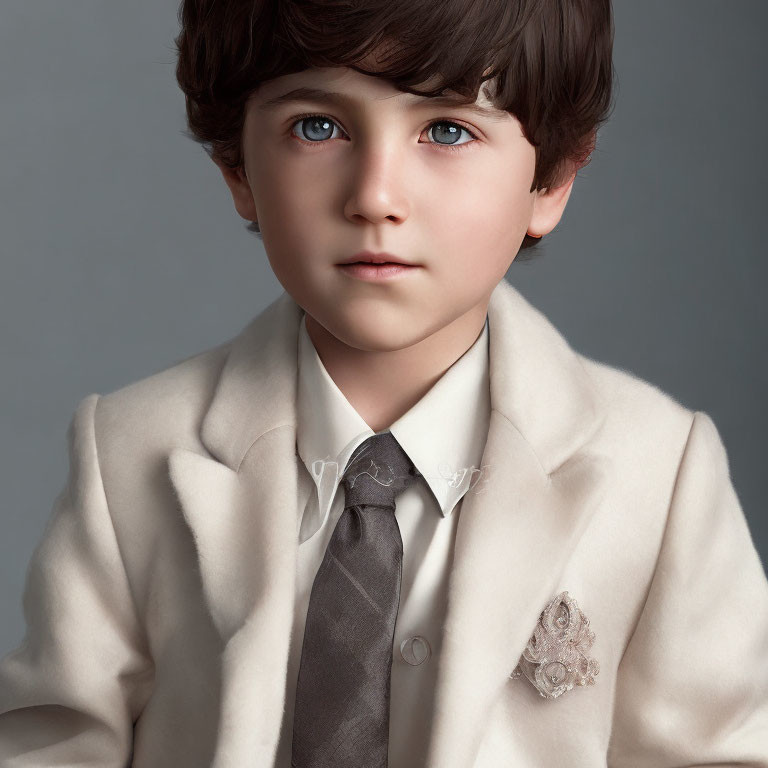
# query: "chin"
{"type": "Point", "coordinates": [384, 338]}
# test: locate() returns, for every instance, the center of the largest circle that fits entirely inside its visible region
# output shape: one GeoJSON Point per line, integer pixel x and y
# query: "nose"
{"type": "Point", "coordinates": [377, 185]}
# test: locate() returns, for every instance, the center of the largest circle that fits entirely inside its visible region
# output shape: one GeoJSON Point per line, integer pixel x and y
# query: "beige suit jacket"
{"type": "Point", "coordinates": [159, 601]}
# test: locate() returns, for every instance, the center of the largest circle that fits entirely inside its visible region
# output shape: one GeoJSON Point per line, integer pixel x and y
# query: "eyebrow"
{"type": "Point", "coordinates": [318, 94]}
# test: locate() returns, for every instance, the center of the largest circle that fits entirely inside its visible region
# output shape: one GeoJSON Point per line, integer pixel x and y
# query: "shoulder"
{"type": "Point", "coordinates": [645, 429]}
{"type": "Point", "coordinates": [626, 395]}
{"type": "Point", "coordinates": [161, 410]}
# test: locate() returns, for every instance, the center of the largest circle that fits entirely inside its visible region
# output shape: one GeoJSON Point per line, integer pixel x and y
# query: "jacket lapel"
{"type": "Point", "coordinates": [240, 504]}
{"type": "Point", "coordinates": [517, 529]}
{"type": "Point", "coordinates": [517, 525]}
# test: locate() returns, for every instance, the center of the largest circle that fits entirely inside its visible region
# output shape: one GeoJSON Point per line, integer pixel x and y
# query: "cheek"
{"type": "Point", "coordinates": [279, 195]}
{"type": "Point", "coordinates": [482, 225]}
{"type": "Point", "coordinates": [289, 192]}
{"type": "Point", "coordinates": [292, 212]}
{"type": "Point", "coordinates": [291, 224]}
{"type": "Point", "coordinates": [481, 192]}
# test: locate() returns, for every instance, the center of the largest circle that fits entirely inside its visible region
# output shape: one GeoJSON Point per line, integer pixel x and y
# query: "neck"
{"type": "Point", "coordinates": [383, 385]}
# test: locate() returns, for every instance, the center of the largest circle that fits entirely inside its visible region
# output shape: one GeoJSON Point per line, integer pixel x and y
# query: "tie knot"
{"type": "Point", "coordinates": [377, 472]}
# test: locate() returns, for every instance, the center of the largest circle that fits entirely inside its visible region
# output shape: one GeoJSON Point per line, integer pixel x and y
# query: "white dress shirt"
{"type": "Point", "coordinates": [444, 435]}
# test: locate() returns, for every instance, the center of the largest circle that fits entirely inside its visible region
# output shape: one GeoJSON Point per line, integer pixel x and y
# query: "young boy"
{"type": "Point", "coordinates": [397, 520]}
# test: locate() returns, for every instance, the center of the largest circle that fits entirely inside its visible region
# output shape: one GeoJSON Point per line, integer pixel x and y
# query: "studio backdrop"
{"type": "Point", "coordinates": [122, 252]}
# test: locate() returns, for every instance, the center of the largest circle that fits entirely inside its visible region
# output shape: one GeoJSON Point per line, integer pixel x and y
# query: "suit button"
{"type": "Point", "coordinates": [415, 650]}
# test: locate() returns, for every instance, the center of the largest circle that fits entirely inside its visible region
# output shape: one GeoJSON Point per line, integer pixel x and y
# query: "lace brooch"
{"type": "Point", "coordinates": [555, 658]}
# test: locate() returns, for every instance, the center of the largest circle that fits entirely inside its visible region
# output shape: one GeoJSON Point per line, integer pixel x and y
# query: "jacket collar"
{"type": "Point", "coordinates": [537, 381]}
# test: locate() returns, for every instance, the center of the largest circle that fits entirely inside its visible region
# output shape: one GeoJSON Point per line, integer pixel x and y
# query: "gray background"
{"type": "Point", "coordinates": [122, 253]}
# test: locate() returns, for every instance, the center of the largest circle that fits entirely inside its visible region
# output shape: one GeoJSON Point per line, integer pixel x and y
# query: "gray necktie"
{"type": "Point", "coordinates": [341, 716]}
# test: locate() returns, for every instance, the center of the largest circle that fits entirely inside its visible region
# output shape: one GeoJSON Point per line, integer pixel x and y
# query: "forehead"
{"type": "Point", "coordinates": [348, 87]}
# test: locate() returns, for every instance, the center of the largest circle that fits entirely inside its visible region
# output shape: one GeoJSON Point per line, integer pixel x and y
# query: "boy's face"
{"type": "Point", "coordinates": [387, 171]}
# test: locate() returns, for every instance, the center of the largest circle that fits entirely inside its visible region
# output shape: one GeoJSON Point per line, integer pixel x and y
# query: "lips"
{"type": "Point", "coordinates": [368, 257]}
{"type": "Point", "coordinates": [370, 272]}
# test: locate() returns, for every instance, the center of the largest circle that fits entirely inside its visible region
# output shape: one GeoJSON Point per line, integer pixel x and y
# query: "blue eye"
{"type": "Point", "coordinates": [450, 131]}
{"type": "Point", "coordinates": [316, 128]}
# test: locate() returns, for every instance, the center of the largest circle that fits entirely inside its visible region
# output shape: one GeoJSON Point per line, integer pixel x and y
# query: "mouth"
{"type": "Point", "coordinates": [376, 272]}
{"type": "Point", "coordinates": [374, 264]}
{"type": "Point", "coordinates": [377, 259]}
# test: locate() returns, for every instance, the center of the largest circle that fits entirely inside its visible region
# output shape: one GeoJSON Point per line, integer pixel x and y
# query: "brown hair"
{"type": "Point", "coordinates": [551, 60]}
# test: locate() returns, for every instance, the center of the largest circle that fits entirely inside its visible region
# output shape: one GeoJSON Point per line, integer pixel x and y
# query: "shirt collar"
{"type": "Point", "coordinates": [443, 434]}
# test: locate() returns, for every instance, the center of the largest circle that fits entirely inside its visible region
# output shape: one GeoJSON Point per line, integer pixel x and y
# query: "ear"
{"type": "Point", "coordinates": [237, 181]}
{"type": "Point", "coordinates": [548, 207]}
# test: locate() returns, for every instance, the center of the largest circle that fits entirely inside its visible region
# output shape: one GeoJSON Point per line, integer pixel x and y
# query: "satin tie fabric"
{"type": "Point", "coordinates": [341, 717]}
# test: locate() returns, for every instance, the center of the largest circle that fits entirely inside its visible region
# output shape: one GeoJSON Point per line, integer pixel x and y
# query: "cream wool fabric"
{"type": "Point", "coordinates": [159, 602]}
